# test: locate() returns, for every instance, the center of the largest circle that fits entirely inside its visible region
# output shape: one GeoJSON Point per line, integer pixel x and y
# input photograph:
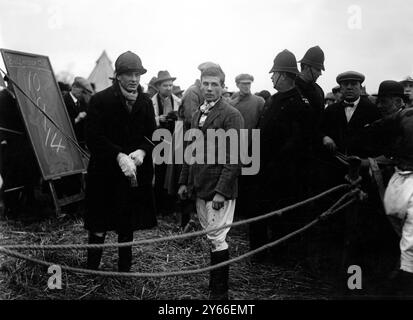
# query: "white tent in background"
{"type": "Point", "coordinates": [101, 73]}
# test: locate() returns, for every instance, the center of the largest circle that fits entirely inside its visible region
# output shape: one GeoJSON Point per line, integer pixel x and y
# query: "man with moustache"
{"type": "Point", "coordinates": [120, 122]}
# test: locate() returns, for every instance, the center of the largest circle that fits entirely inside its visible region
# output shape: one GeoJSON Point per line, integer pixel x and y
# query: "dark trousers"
{"type": "Point", "coordinates": [125, 253]}
{"type": "Point", "coordinates": [163, 201]}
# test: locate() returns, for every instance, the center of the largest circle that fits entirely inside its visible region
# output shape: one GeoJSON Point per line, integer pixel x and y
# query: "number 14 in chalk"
{"type": "Point", "coordinates": [52, 143]}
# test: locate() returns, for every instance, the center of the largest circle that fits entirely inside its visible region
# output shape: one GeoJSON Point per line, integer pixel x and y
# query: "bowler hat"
{"type": "Point", "coordinates": [390, 88]}
{"type": "Point", "coordinates": [350, 75]}
{"type": "Point", "coordinates": [129, 62]}
{"type": "Point", "coordinates": [163, 76]}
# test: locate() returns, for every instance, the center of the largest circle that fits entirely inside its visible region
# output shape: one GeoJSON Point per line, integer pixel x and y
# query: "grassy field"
{"type": "Point", "coordinates": [24, 280]}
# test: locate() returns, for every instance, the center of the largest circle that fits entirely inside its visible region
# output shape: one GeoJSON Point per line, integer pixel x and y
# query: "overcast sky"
{"type": "Point", "coordinates": [243, 36]}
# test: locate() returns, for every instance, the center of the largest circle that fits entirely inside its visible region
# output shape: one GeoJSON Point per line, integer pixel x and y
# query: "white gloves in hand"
{"type": "Point", "coordinates": [137, 156]}
{"type": "Point", "coordinates": [127, 165]}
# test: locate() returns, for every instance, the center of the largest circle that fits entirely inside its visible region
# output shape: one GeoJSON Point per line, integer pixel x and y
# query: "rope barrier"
{"type": "Point", "coordinates": [323, 216]}
{"type": "Point", "coordinates": [182, 236]}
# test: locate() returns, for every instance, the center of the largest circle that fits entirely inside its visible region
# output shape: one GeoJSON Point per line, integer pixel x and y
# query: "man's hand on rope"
{"type": "Point", "coordinates": [218, 201]}
{"type": "Point", "coordinates": [329, 144]}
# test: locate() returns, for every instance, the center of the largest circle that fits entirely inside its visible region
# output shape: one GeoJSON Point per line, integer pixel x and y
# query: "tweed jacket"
{"type": "Point", "coordinates": [205, 180]}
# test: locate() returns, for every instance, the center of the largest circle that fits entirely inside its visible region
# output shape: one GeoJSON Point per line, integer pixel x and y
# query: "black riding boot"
{"type": "Point", "coordinates": [94, 255]}
{"type": "Point", "coordinates": [218, 279]}
{"type": "Point", "coordinates": [125, 253]}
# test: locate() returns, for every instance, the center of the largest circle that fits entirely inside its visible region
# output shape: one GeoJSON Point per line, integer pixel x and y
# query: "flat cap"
{"type": "Point", "coordinates": [350, 75]}
{"type": "Point", "coordinates": [244, 77]}
{"type": "Point", "coordinates": [208, 64]}
{"type": "Point", "coordinates": [407, 80]}
{"type": "Point", "coordinates": [83, 83]}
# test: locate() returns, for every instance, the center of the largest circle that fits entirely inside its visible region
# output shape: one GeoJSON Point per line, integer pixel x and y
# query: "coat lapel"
{"type": "Point", "coordinates": [358, 114]}
{"type": "Point", "coordinates": [195, 119]}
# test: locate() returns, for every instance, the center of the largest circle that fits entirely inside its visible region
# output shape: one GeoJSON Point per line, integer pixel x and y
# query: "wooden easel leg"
{"type": "Point", "coordinates": [55, 199]}
{"type": "Point", "coordinates": [2, 207]}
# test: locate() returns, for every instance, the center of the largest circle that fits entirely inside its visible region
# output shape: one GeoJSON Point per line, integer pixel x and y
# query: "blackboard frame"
{"type": "Point", "coordinates": [27, 126]}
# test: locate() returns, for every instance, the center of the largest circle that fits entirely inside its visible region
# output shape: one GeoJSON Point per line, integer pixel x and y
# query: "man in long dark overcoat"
{"type": "Point", "coordinates": [285, 133]}
{"type": "Point", "coordinates": [120, 124]}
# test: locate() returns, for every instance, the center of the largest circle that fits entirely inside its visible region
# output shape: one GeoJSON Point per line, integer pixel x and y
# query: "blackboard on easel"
{"type": "Point", "coordinates": [56, 155]}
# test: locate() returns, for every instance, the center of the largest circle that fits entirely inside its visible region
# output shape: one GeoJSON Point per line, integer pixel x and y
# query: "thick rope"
{"type": "Point", "coordinates": [178, 237]}
{"type": "Point", "coordinates": [323, 216]}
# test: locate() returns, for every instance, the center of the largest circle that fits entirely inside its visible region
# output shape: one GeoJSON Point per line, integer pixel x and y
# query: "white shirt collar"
{"type": "Point", "coordinates": [73, 97]}
{"type": "Point", "coordinates": [354, 102]}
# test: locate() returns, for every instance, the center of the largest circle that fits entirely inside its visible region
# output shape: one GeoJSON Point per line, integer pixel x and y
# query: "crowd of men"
{"type": "Point", "coordinates": [305, 136]}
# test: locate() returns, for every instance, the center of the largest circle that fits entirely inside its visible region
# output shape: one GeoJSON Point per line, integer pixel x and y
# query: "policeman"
{"type": "Point", "coordinates": [284, 139]}
{"type": "Point", "coordinates": [312, 65]}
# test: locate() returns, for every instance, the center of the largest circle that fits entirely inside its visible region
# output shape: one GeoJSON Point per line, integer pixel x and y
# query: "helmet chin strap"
{"type": "Point", "coordinates": [276, 82]}
{"type": "Point", "coordinates": [312, 75]}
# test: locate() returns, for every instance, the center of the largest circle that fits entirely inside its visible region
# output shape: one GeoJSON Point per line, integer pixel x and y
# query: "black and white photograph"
{"type": "Point", "coordinates": [206, 156]}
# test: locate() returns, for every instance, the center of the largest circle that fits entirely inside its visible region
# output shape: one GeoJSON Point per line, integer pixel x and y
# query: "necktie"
{"type": "Point", "coordinates": [205, 108]}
